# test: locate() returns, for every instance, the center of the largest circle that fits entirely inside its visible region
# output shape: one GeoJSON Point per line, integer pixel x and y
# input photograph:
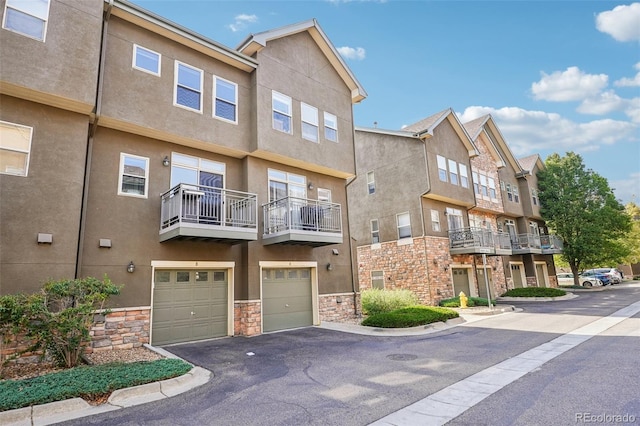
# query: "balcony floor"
{"type": "Point", "coordinates": [214, 233]}
{"type": "Point", "coordinates": [307, 238]}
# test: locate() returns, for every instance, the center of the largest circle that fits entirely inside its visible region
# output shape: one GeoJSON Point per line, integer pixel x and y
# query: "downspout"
{"type": "Point", "coordinates": [424, 234]}
{"type": "Point", "coordinates": [354, 262]}
{"type": "Point", "coordinates": [92, 131]}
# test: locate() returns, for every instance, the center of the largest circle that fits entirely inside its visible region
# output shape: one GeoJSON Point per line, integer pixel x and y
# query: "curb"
{"type": "Point", "coordinates": [69, 409]}
{"type": "Point", "coordinates": [567, 296]}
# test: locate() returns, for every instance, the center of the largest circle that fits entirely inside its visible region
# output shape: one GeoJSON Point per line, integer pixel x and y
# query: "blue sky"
{"type": "Point", "coordinates": [557, 76]}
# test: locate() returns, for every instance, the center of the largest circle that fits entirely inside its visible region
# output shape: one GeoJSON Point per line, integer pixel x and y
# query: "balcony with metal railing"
{"type": "Point", "coordinates": [198, 212]}
{"type": "Point", "coordinates": [551, 244]}
{"type": "Point", "coordinates": [479, 241]}
{"type": "Point", "coordinates": [293, 220]}
{"type": "Point", "coordinates": [526, 244]}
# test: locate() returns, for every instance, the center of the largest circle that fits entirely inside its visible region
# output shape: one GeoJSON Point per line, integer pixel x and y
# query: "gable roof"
{"type": "Point", "coordinates": [425, 128]}
{"type": "Point", "coordinates": [256, 42]}
{"type": "Point", "coordinates": [528, 163]}
{"type": "Point", "coordinates": [476, 128]}
{"type": "Point", "coordinates": [500, 141]}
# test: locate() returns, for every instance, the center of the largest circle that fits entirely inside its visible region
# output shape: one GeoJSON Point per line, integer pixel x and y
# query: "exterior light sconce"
{"type": "Point", "coordinates": [310, 186]}
{"type": "Point", "coordinates": [446, 268]}
{"type": "Point", "coordinates": [131, 267]}
{"type": "Point", "coordinates": [165, 161]}
{"type": "Point", "coordinates": [335, 252]}
{"type": "Point", "coordinates": [329, 267]}
{"type": "Point", "coordinates": [495, 268]}
{"type": "Point", "coordinates": [435, 261]}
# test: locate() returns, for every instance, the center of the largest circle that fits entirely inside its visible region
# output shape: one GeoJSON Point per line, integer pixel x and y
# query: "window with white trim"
{"type": "Point", "coordinates": [281, 105]}
{"type": "Point", "coordinates": [309, 122]}
{"type": "Point", "coordinates": [28, 18]}
{"type": "Point", "coordinates": [225, 99]}
{"type": "Point", "coordinates": [533, 228]}
{"type": "Point", "coordinates": [375, 231]}
{"type": "Point", "coordinates": [464, 176]}
{"type": "Point", "coordinates": [476, 183]}
{"type": "Point", "coordinates": [330, 127]}
{"type": "Point", "coordinates": [283, 184]}
{"type": "Point", "coordinates": [516, 194]}
{"type": "Point", "coordinates": [192, 170]}
{"type": "Point", "coordinates": [134, 175]}
{"type": "Point", "coordinates": [492, 188]}
{"type": "Point", "coordinates": [435, 220]}
{"type": "Point", "coordinates": [509, 192]}
{"type": "Point", "coordinates": [483, 186]}
{"type": "Point", "coordinates": [15, 148]}
{"type": "Point", "coordinates": [453, 172]}
{"type": "Point", "coordinates": [404, 225]}
{"type": "Point", "coordinates": [324, 195]}
{"type": "Point", "coordinates": [454, 219]}
{"type": "Point", "coordinates": [146, 60]}
{"type": "Point", "coordinates": [442, 168]}
{"type": "Point", "coordinates": [371, 183]}
{"type": "Point", "coordinates": [377, 280]}
{"type": "Point", "coordinates": [534, 196]}
{"type": "Point", "coordinates": [188, 87]}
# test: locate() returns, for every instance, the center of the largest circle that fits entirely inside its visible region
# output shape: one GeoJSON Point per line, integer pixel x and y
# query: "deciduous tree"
{"type": "Point", "coordinates": [580, 207]}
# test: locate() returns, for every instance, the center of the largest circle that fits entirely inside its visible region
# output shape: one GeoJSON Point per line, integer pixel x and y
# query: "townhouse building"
{"type": "Point", "coordinates": [210, 181]}
{"type": "Point", "coordinates": [436, 208]}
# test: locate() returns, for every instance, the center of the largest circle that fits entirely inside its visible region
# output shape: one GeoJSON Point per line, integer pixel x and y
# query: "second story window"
{"type": "Point", "coordinates": [371, 183]}
{"type": "Point", "coordinates": [15, 146]}
{"type": "Point", "coordinates": [324, 195]}
{"type": "Point", "coordinates": [225, 99]}
{"type": "Point", "coordinates": [442, 168]}
{"type": "Point", "coordinates": [281, 105]}
{"type": "Point", "coordinates": [375, 231]}
{"type": "Point", "coordinates": [188, 87]}
{"type": "Point", "coordinates": [492, 188]}
{"type": "Point", "coordinates": [309, 122]}
{"type": "Point", "coordinates": [454, 219]}
{"type": "Point", "coordinates": [435, 220]}
{"type": "Point", "coordinates": [330, 127]}
{"type": "Point", "coordinates": [483, 186]}
{"type": "Point", "coordinates": [453, 172]}
{"type": "Point", "coordinates": [476, 183]}
{"type": "Point", "coordinates": [464, 176]}
{"type": "Point", "coordinates": [509, 192]}
{"type": "Point", "coordinates": [283, 184]}
{"type": "Point", "coordinates": [146, 60]}
{"type": "Point", "coordinates": [28, 18]}
{"type": "Point", "coordinates": [404, 225]}
{"type": "Point", "coordinates": [534, 196]}
{"type": "Point", "coordinates": [134, 176]}
{"type": "Point", "coordinates": [516, 195]}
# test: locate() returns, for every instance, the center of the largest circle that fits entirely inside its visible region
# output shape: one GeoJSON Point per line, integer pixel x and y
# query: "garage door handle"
{"type": "Point", "coordinates": [286, 305]}
{"type": "Point", "coordinates": [193, 313]}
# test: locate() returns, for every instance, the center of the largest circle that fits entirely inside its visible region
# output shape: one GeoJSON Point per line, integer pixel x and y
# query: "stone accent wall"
{"type": "Point", "coordinates": [247, 318]}
{"type": "Point", "coordinates": [439, 263]}
{"type": "Point", "coordinates": [553, 281]}
{"type": "Point", "coordinates": [532, 282]}
{"type": "Point", "coordinates": [485, 164]}
{"type": "Point", "coordinates": [121, 329]}
{"type": "Point", "coordinates": [340, 306]}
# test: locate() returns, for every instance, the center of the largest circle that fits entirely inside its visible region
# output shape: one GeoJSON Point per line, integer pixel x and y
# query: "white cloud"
{"type": "Point", "coordinates": [630, 82]}
{"type": "Point", "coordinates": [569, 85]}
{"type": "Point", "coordinates": [241, 21]}
{"type": "Point", "coordinates": [627, 189]}
{"type": "Point", "coordinates": [622, 23]}
{"type": "Point", "coordinates": [529, 132]}
{"type": "Point", "coordinates": [603, 103]}
{"type": "Point", "coordinates": [357, 53]}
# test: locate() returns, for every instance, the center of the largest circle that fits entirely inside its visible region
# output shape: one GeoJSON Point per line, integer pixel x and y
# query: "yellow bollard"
{"type": "Point", "coordinates": [463, 299]}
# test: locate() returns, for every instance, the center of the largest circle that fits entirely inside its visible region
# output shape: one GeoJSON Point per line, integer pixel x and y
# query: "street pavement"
{"type": "Point", "coordinates": [350, 375]}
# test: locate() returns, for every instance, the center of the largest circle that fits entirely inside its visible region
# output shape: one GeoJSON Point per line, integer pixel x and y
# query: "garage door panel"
{"type": "Point", "coordinates": [287, 299]}
{"type": "Point", "coordinates": [274, 322]}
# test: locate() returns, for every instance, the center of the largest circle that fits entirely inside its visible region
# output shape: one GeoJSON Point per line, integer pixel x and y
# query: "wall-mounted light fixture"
{"type": "Point", "coordinates": [310, 186]}
{"type": "Point", "coordinates": [165, 161]}
{"type": "Point", "coordinates": [45, 238]}
{"type": "Point", "coordinates": [335, 252]}
{"type": "Point", "coordinates": [329, 267]}
{"type": "Point", "coordinates": [446, 268]}
{"type": "Point", "coordinates": [131, 267]}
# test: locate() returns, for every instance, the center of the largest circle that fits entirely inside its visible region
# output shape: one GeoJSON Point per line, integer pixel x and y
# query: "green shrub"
{"type": "Point", "coordinates": [454, 302]}
{"type": "Point", "coordinates": [412, 316]}
{"type": "Point", "coordinates": [59, 318]}
{"type": "Point", "coordinates": [534, 292]}
{"type": "Point", "coordinates": [86, 381]}
{"type": "Point", "coordinates": [375, 301]}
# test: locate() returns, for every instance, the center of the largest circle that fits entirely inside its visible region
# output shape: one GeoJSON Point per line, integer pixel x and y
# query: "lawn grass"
{"type": "Point", "coordinates": [89, 382]}
{"type": "Point", "coordinates": [454, 302]}
{"type": "Point", "coordinates": [535, 292]}
{"type": "Point", "coordinates": [412, 316]}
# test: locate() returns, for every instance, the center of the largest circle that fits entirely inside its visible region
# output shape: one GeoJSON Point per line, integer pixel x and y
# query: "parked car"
{"type": "Point", "coordinates": [566, 279]}
{"type": "Point", "coordinates": [612, 273]}
{"type": "Point", "coordinates": [591, 273]}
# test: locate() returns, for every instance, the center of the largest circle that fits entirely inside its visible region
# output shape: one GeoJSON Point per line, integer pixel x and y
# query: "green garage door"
{"type": "Point", "coordinates": [286, 299]}
{"type": "Point", "coordinates": [460, 281]}
{"type": "Point", "coordinates": [189, 305]}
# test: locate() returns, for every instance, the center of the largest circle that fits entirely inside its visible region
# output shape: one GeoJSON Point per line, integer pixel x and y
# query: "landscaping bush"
{"type": "Point", "coordinates": [534, 292]}
{"type": "Point", "coordinates": [58, 319]}
{"type": "Point", "coordinates": [375, 301]}
{"type": "Point", "coordinates": [412, 316]}
{"type": "Point", "coordinates": [454, 302]}
{"type": "Point", "coordinates": [86, 381]}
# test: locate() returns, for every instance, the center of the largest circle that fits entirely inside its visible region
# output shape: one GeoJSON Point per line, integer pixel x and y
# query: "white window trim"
{"type": "Point", "coordinates": [371, 182]}
{"type": "Point", "coordinates": [284, 99]}
{"type": "Point", "coordinates": [313, 113]}
{"type": "Point", "coordinates": [335, 120]}
{"type": "Point", "coordinates": [175, 87]}
{"type": "Point", "coordinates": [327, 196]}
{"type": "Point", "coordinates": [440, 158]}
{"type": "Point", "coordinates": [146, 176]}
{"type": "Point", "coordinates": [377, 222]}
{"type": "Point", "coordinates": [453, 174]}
{"type": "Point", "coordinates": [380, 278]}
{"type": "Point", "coordinates": [464, 173]}
{"type": "Point", "coordinates": [214, 98]}
{"type": "Point", "coordinates": [435, 220]}
{"type": "Point", "coordinates": [133, 60]}
{"type": "Point", "coordinates": [28, 151]}
{"type": "Point", "coordinates": [398, 225]}
{"type": "Point", "coordinates": [45, 20]}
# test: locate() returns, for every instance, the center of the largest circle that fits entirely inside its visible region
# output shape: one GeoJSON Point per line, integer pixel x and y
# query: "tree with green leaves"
{"type": "Point", "coordinates": [580, 207]}
{"type": "Point", "coordinates": [632, 239]}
